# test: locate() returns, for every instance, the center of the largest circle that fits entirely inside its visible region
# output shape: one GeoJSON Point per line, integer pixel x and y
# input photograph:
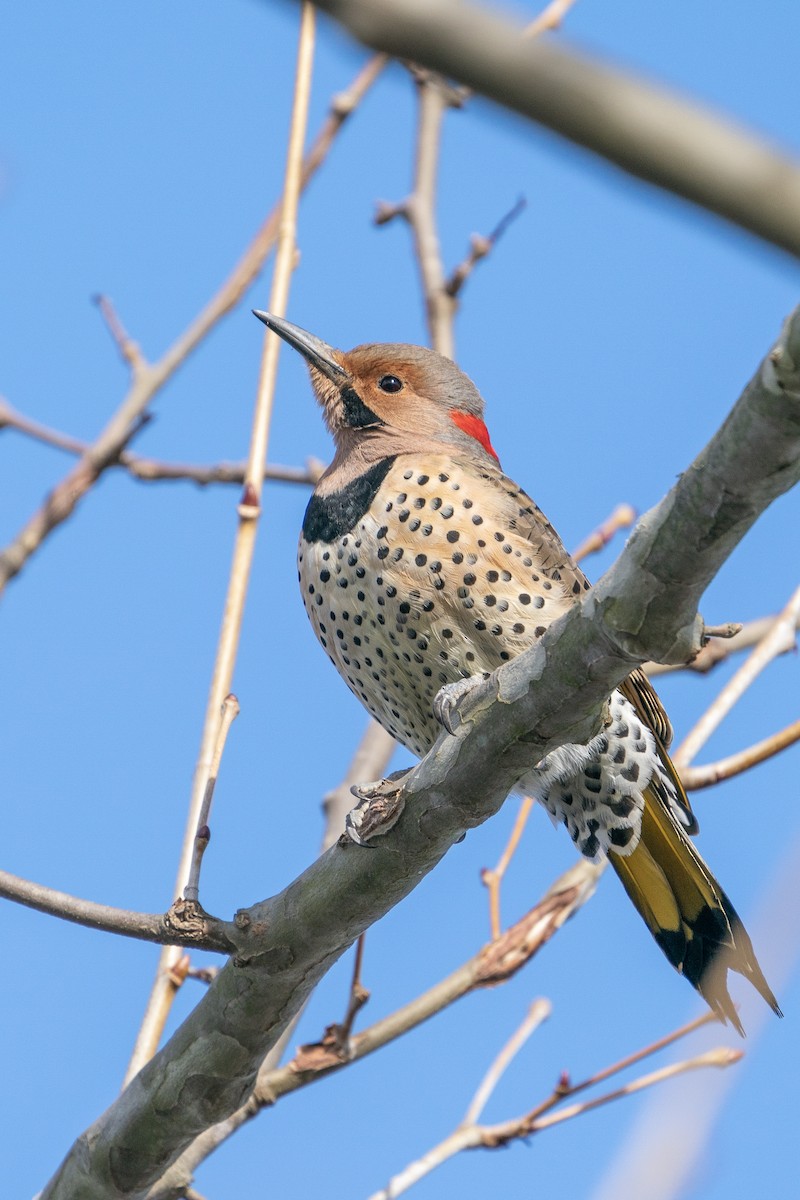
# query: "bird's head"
{"type": "Point", "coordinates": [406, 394]}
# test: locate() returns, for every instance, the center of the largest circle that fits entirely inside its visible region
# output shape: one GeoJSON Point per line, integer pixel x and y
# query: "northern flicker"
{"type": "Point", "coordinates": [421, 565]}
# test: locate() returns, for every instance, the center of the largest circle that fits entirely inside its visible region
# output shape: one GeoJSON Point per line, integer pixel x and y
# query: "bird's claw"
{"type": "Point", "coordinates": [380, 806]}
{"type": "Point", "coordinates": [448, 700]}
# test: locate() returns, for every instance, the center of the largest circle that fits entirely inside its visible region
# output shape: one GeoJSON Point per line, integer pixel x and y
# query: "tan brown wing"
{"type": "Point", "coordinates": [554, 560]}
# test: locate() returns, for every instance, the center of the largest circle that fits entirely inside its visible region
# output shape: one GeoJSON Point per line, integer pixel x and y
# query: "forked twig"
{"type": "Point", "coordinates": [470, 1134]}
{"type": "Point", "coordinates": [126, 421]}
{"type": "Point", "coordinates": [153, 469]}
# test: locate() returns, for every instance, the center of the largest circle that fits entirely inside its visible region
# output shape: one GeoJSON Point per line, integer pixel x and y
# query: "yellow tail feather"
{"type": "Point", "coordinates": [687, 911]}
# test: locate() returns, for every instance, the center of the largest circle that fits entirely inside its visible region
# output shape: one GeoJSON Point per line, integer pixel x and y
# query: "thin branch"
{"type": "Point", "coordinates": [126, 422]}
{"type": "Point", "coordinates": [230, 711]}
{"type": "Point", "coordinates": [722, 1056]}
{"type": "Point", "coordinates": [493, 877]}
{"type": "Point", "coordinates": [622, 517]}
{"type": "Point", "coordinates": [470, 1135]}
{"type": "Point", "coordinates": [434, 97]}
{"type": "Point", "coordinates": [481, 245]}
{"type": "Point", "coordinates": [549, 19]}
{"type": "Point", "coordinates": [694, 778]}
{"type": "Point", "coordinates": [129, 350]}
{"type": "Point", "coordinates": [174, 928]}
{"type": "Point", "coordinates": [538, 1012]}
{"type": "Point", "coordinates": [647, 131]}
{"type": "Point", "coordinates": [152, 469]}
{"type": "Point", "coordinates": [161, 996]}
{"type": "Point", "coordinates": [771, 645]}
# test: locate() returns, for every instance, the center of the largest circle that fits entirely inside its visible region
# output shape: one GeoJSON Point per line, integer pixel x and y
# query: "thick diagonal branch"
{"type": "Point", "coordinates": [646, 130]}
{"type": "Point", "coordinates": [644, 607]}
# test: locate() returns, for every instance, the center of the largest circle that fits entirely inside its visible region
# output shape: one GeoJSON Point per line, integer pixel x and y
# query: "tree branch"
{"type": "Point", "coordinates": [645, 607]}
{"type": "Point", "coordinates": [151, 469]}
{"type": "Point", "coordinates": [148, 380]}
{"type": "Point", "coordinates": [494, 964]}
{"type": "Point", "coordinates": [646, 130]}
{"type": "Point", "coordinates": [181, 926]}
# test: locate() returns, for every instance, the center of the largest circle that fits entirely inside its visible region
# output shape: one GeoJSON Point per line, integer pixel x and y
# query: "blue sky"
{"type": "Point", "coordinates": [610, 332]}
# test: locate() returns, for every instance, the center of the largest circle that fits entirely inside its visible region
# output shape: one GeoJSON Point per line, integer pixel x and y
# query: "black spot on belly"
{"type": "Point", "coordinates": [329, 517]}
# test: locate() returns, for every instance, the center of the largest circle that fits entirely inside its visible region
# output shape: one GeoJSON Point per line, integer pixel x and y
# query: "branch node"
{"type": "Point", "coordinates": [379, 809]}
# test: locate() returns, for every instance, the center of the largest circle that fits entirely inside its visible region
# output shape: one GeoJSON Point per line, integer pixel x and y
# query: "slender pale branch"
{"type": "Point", "coordinates": [725, 768]}
{"type": "Point", "coordinates": [492, 877]}
{"type": "Point", "coordinates": [549, 19]}
{"type": "Point", "coordinates": [622, 517]}
{"type": "Point", "coordinates": [646, 130]}
{"type": "Point", "coordinates": [480, 246]}
{"type": "Point", "coordinates": [162, 995]}
{"type": "Point", "coordinates": [152, 469]}
{"type": "Point", "coordinates": [125, 423]}
{"type": "Point", "coordinates": [434, 97]}
{"type": "Point", "coordinates": [129, 350]}
{"type": "Point", "coordinates": [470, 1134]}
{"type": "Point", "coordinates": [538, 1012]}
{"type": "Point", "coordinates": [771, 645]}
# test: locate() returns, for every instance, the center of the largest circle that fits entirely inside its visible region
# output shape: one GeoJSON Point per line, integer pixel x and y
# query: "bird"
{"type": "Point", "coordinates": [422, 565]}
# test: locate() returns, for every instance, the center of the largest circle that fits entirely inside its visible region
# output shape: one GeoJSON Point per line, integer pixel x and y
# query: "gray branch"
{"type": "Point", "coordinates": [645, 607]}
{"type": "Point", "coordinates": [646, 130]}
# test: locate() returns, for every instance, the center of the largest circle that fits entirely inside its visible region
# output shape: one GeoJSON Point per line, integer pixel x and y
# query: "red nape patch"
{"type": "Point", "coordinates": [475, 427]}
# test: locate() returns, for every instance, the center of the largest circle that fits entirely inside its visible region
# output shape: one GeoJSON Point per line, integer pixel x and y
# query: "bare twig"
{"type": "Point", "coordinates": [129, 350]}
{"type": "Point", "coordinates": [173, 928]}
{"type": "Point", "coordinates": [725, 768]}
{"type": "Point", "coordinates": [493, 877]}
{"type": "Point", "coordinates": [230, 711]}
{"type": "Point", "coordinates": [771, 645]}
{"type": "Point", "coordinates": [538, 1012]}
{"type": "Point", "coordinates": [622, 517]}
{"type": "Point", "coordinates": [419, 209]}
{"type": "Point", "coordinates": [472, 1135]}
{"type": "Point", "coordinates": [722, 1056]}
{"type": "Point", "coordinates": [480, 246]}
{"type": "Point", "coordinates": [152, 469]}
{"type": "Point", "coordinates": [549, 19]}
{"type": "Point", "coordinates": [126, 422]}
{"type": "Point", "coordinates": [249, 511]}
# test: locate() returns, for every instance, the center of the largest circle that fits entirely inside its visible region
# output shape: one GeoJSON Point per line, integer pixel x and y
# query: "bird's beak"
{"type": "Point", "coordinates": [317, 352]}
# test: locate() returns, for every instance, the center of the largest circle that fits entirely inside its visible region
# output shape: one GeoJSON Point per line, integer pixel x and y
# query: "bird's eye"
{"type": "Point", "coordinates": [389, 383]}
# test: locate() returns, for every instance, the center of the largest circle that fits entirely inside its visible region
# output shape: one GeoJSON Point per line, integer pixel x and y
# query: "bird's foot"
{"type": "Point", "coordinates": [448, 701]}
{"type": "Point", "coordinates": [379, 808]}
